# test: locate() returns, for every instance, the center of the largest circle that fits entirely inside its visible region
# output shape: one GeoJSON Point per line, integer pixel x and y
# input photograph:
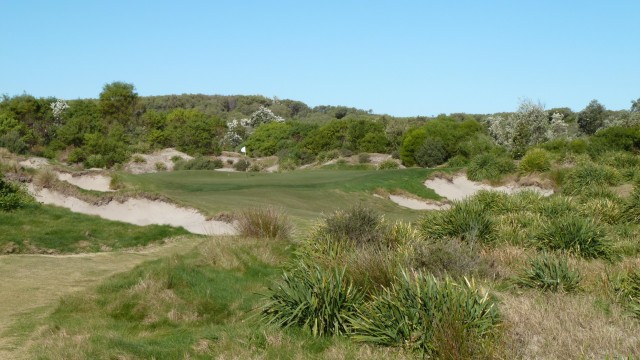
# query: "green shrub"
{"type": "Point", "coordinates": [467, 220]}
{"type": "Point", "coordinates": [575, 235]}
{"type": "Point", "coordinates": [358, 225]}
{"type": "Point", "coordinates": [458, 161]}
{"type": "Point", "coordinates": [264, 223]}
{"type": "Point", "coordinates": [431, 153]}
{"type": "Point", "coordinates": [535, 160]}
{"type": "Point", "coordinates": [241, 165]}
{"type": "Point", "coordinates": [388, 165]}
{"type": "Point", "coordinates": [589, 175]}
{"type": "Point", "coordinates": [364, 158]}
{"type": "Point", "coordinates": [489, 167]}
{"type": "Point", "coordinates": [139, 159]}
{"type": "Point", "coordinates": [12, 197]}
{"type": "Point", "coordinates": [160, 166]}
{"type": "Point", "coordinates": [95, 161]}
{"type": "Point", "coordinates": [314, 299]}
{"type": "Point", "coordinates": [440, 319]}
{"type": "Point", "coordinates": [549, 273]}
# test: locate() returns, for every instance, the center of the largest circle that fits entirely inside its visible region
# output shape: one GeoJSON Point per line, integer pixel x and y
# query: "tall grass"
{"type": "Point", "coordinates": [267, 223]}
{"type": "Point", "coordinates": [575, 235]}
{"type": "Point", "coordinates": [315, 299]}
{"type": "Point", "coordinates": [549, 273]}
{"type": "Point", "coordinates": [589, 176]}
{"type": "Point", "coordinates": [468, 220]}
{"type": "Point", "coordinates": [441, 319]}
{"type": "Point", "coordinates": [627, 288]}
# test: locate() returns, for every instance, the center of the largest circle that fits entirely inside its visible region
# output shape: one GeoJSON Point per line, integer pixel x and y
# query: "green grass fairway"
{"type": "Point", "coordinates": [41, 228]}
{"type": "Point", "coordinates": [305, 194]}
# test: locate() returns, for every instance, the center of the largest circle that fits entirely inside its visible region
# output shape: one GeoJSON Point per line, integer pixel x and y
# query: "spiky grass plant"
{"type": "Point", "coordinates": [575, 235]}
{"type": "Point", "coordinates": [535, 160]}
{"type": "Point", "coordinates": [603, 209]}
{"type": "Point", "coordinates": [549, 273]}
{"type": "Point", "coordinates": [627, 287]}
{"type": "Point", "coordinates": [436, 318]}
{"type": "Point", "coordinates": [358, 225]}
{"type": "Point", "coordinates": [313, 298]}
{"type": "Point", "coordinates": [632, 206]}
{"type": "Point", "coordinates": [269, 223]}
{"type": "Point", "coordinates": [490, 167]}
{"type": "Point", "coordinates": [468, 220]}
{"type": "Point", "coordinates": [589, 175]}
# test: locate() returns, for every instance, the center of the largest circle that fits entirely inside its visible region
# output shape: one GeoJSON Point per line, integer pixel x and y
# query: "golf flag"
{"type": "Point", "coordinates": [243, 150]}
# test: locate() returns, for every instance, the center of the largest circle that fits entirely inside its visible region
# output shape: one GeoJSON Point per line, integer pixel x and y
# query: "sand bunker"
{"type": "Point", "coordinates": [460, 188]}
{"type": "Point", "coordinates": [97, 182]}
{"type": "Point", "coordinates": [416, 204]}
{"type": "Point", "coordinates": [139, 212]}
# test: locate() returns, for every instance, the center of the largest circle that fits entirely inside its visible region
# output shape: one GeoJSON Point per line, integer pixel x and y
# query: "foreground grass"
{"type": "Point", "coordinates": [195, 306]}
{"type": "Point", "coordinates": [44, 228]}
{"type": "Point", "coordinates": [304, 194]}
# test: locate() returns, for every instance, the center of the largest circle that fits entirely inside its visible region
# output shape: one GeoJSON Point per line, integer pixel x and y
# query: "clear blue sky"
{"type": "Point", "coordinates": [398, 57]}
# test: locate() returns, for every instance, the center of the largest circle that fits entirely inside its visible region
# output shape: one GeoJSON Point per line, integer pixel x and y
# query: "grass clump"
{"type": "Point", "coordinates": [489, 167]}
{"type": "Point", "coordinates": [468, 220]}
{"type": "Point", "coordinates": [241, 165]}
{"type": "Point", "coordinates": [589, 176]}
{"type": "Point", "coordinates": [535, 160]}
{"type": "Point", "coordinates": [440, 319]}
{"type": "Point", "coordinates": [358, 225]}
{"type": "Point", "coordinates": [549, 273]}
{"type": "Point", "coordinates": [575, 235]}
{"type": "Point", "coordinates": [269, 223]}
{"type": "Point", "coordinates": [315, 299]}
{"type": "Point", "coordinates": [448, 257]}
{"type": "Point", "coordinates": [388, 165]}
{"type": "Point", "coordinates": [627, 288]}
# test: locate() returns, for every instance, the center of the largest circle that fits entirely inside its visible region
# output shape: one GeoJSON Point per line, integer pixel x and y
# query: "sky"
{"type": "Point", "coordinates": [401, 57]}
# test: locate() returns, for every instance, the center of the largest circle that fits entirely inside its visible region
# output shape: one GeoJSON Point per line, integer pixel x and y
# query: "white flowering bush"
{"type": "Point", "coordinates": [58, 107]}
{"type": "Point", "coordinates": [239, 130]}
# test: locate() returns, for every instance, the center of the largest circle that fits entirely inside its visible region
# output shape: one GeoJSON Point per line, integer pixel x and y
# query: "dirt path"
{"type": "Point", "coordinates": [33, 284]}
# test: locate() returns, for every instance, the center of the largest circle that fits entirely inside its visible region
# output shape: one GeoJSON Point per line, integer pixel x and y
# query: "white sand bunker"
{"type": "Point", "coordinates": [139, 212]}
{"type": "Point", "coordinates": [416, 204]}
{"type": "Point", "coordinates": [460, 188]}
{"type": "Point", "coordinates": [97, 182]}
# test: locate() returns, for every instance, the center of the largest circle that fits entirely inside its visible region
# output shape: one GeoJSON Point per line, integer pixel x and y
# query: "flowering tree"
{"type": "Point", "coordinates": [238, 130]}
{"type": "Point", "coordinates": [526, 127]}
{"type": "Point", "coordinates": [58, 107]}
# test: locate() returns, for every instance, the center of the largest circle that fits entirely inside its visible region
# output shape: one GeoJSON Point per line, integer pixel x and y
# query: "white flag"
{"type": "Point", "coordinates": [243, 150]}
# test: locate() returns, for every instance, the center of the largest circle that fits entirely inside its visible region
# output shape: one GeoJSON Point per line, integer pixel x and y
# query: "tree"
{"type": "Point", "coordinates": [526, 127]}
{"type": "Point", "coordinates": [635, 106]}
{"type": "Point", "coordinates": [118, 102]}
{"type": "Point", "coordinates": [591, 118]}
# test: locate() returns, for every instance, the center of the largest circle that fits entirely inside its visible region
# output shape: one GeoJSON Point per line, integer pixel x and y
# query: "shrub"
{"type": "Point", "coordinates": [458, 161]}
{"type": "Point", "coordinates": [549, 273]}
{"type": "Point", "coordinates": [264, 223]}
{"type": "Point", "coordinates": [575, 235]}
{"type": "Point", "coordinates": [364, 158]}
{"type": "Point", "coordinates": [358, 225]}
{"type": "Point", "coordinates": [139, 159]}
{"type": "Point", "coordinates": [199, 163]}
{"type": "Point", "coordinates": [116, 182]}
{"type": "Point", "coordinates": [535, 160]}
{"type": "Point", "coordinates": [160, 166]}
{"type": "Point", "coordinates": [447, 257]}
{"type": "Point", "coordinates": [241, 165]}
{"type": "Point", "coordinates": [312, 298]}
{"type": "Point", "coordinates": [431, 153]}
{"type": "Point", "coordinates": [388, 165]}
{"type": "Point", "coordinates": [589, 175]}
{"type": "Point", "coordinates": [95, 161]}
{"type": "Point", "coordinates": [467, 220]}
{"type": "Point", "coordinates": [489, 167]}
{"type": "Point", "coordinates": [440, 319]}
{"type": "Point", "coordinates": [12, 197]}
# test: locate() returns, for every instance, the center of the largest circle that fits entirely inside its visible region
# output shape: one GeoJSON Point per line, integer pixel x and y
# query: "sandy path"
{"type": "Point", "coordinates": [95, 182]}
{"type": "Point", "coordinates": [139, 212]}
{"type": "Point", "coordinates": [461, 187]}
{"type": "Point", "coordinates": [37, 282]}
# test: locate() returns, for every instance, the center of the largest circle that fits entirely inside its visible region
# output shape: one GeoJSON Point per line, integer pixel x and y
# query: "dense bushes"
{"type": "Point", "coordinates": [11, 196]}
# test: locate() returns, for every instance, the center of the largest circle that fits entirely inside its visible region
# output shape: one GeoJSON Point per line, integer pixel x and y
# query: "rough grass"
{"type": "Point", "coordinates": [549, 273]}
{"type": "Point", "coordinates": [267, 223]}
{"type": "Point", "coordinates": [50, 229]}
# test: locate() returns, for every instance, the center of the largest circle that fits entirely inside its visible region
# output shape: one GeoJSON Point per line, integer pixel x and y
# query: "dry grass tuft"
{"type": "Point", "coordinates": [269, 223]}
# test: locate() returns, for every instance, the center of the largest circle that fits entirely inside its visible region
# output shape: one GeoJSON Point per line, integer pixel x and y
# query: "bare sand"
{"type": "Point", "coordinates": [150, 160]}
{"type": "Point", "coordinates": [139, 212]}
{"type": "Point", "coordinates": [460, 188]}
{"type": "Point", "coordinates": [34, 163]}
{"type": "Point", "coordinates": [416, 204]}
{"type": "Point", "coordinates": [97, 182]}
